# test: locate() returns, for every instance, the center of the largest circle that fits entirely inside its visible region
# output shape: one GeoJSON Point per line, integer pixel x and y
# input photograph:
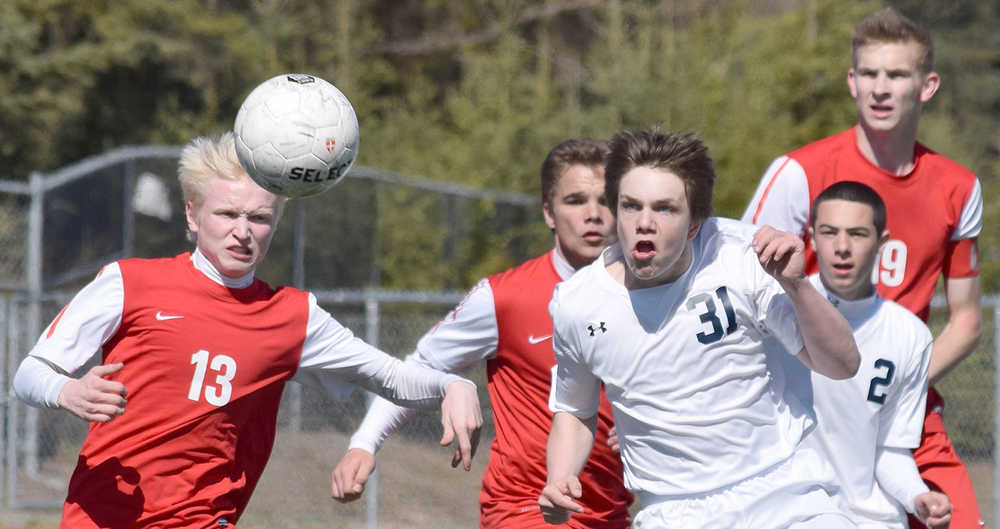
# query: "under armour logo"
{"type": "Point", "coordinates": [599, 327]}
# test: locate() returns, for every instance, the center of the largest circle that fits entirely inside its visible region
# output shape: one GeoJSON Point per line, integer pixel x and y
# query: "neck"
{"type": "Point", "coordinates": [206, 267]}
{"type": "Point", "coordinates": [892, 151]}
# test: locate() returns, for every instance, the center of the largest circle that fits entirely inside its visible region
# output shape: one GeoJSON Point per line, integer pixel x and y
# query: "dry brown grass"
{"type": "Point", "coordinates": [418, 489]}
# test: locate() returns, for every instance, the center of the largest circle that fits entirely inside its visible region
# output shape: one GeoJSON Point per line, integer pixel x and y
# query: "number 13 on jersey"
{"type": "Point", "coordinates": [224, 368]}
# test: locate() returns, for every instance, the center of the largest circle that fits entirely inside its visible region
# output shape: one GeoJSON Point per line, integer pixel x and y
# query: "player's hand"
{"type": "Point", "coordinates": [782, 254]}
{"type": "Point", "coordinates": [613, 440]}
{"type": "Point", "coordinates": [351, 474]}
{"type": "Point", "coordinates": [933, 509]}
{"type": "Point", "coordinates": [461, 418]}
{"type": "Point", "coordinates": [556, 501]}
{"type": "Point", "coordinates": [92, 397]}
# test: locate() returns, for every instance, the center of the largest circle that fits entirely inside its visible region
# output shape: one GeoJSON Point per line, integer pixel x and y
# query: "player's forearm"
{"type": "Point", "coordinates": [897, 475]}
{"type": "Point", "coordinates": [828, 339]}
{"type": "Point", "coordinates": [958, 339]}
{"type": "Point", "coordinates": [412, 385]}
{"type": "Point", "coordinates": [569, 445]}
{"type": "Point", "coordinates": [382, 419]}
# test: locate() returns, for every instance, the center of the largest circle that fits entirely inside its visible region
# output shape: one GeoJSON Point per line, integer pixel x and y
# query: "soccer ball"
{"type": "Point", "coordinates": [296, 135]}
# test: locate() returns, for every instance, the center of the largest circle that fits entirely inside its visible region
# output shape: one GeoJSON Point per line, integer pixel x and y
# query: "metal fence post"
{"type": "Point", "coordinates": [7, 396]}
{"type": "Point", "coordinates": [299, 282]}
{"type": "Point", "coordinates": [33, 271]}
{"type": "Point", "coordinates": [11, 451]}
{"type": "Point", "coordinates": [996, 412]}
{"type": "Point", "coordinates": [371, 336]}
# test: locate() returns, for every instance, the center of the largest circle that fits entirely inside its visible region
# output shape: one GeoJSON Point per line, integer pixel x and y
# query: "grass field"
{"type": "Point", "coordinates": [418, 489]}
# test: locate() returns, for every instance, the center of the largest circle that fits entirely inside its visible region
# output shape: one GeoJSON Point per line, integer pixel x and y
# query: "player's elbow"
{"type": "Point", "coordinates": [969, 324]}
{"type": "Point", "coordinates": [845, 364]}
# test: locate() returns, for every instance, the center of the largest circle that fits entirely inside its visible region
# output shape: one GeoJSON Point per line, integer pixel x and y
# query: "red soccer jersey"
{"type": "Point", "coordinates": [934, 212]}
{"type": "Point", "coordinates": [204, 366]}
{"type": "Point", "coordinates": [519, 378]}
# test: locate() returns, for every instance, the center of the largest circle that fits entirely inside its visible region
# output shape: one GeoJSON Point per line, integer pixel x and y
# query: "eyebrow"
{"type": "Point", "coordinates": [822, 225]}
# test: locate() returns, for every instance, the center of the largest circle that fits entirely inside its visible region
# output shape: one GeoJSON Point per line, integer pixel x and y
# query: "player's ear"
{"type": "Point", "coordinates": [550, 219]}
{"type": "Point", "coordinates": [929, 87]}
{"type": "Point", "coordinates": [851, 86]}
{"type": "Point", "coordinates": [693, 229]}
{"type": "Point", "coordinates": [812, 238]}
{"type": "Point", "coordinates": [190, 211]}
{"type": "Point", "coordinates": [882, 239]}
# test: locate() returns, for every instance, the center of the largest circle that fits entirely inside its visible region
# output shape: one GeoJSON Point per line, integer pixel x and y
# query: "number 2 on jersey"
{"type": "Point", "coordinates": [225, 366]}
{"type": "Point", "coordinates": [711, 316]}
{"type": "Point", "coordinates": [884, 381]}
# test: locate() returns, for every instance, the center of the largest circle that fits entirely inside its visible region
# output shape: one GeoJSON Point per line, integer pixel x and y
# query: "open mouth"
{"type": "Point", "coordinates": [240, 251]}
{"type": "Point", "coordinates": [644, 250]}
{"type": "Point", "coordinates": [881, 110]}
{"type": "Point", "coordinates": [843, 268]}
{"type": "Point", "coordinates": [593, 237]}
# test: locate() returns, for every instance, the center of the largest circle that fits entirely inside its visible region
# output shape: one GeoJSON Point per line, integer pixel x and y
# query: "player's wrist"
{"type": "Point", "coordinates": [451, 379]}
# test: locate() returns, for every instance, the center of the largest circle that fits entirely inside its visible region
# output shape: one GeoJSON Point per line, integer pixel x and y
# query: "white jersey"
{"type": "Point", "coordinates": [693, 377]}
{"type": "Point", "coordinates": [332, 358]}
{"type": "Point", "coordinates": [881, 406]}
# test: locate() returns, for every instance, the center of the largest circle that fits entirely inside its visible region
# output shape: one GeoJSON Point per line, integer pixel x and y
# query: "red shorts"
{"type": "Point", "coordinates": [943, 471]}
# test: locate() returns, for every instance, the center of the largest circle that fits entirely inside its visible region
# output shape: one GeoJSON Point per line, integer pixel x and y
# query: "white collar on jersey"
{"type": "Point", "coordinates": [851, 309]}
{"type": "Point", "coordinates": [562, 266]}
{"type": "Point", "coordinates": [202, 263]}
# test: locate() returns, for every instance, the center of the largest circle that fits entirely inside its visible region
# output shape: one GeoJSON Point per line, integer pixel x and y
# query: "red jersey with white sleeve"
{"type": "Point", "coordinates": [935, 212]}
{"type": "Point", "coordinates": [934, 217]}
{"type": "Point", "coordinates": [504, 320]}
{"type": "Point", "coordinates": [204, 366]}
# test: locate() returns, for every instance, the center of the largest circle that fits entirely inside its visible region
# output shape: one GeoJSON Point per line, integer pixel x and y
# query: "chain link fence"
{"type": "Point", "coordinates": [428, 239]}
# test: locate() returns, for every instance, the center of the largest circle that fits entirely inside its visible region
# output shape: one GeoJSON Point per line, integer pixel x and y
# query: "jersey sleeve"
{"type": "Point", "coordinates": [962, 257]}
{"type": "Point", "coordinates": [775, 315]}
{"type": "Point", "coordinates": [463, 338]}
{"type": "Point", "coordinates": [902, 418]}
{"type": "Point", "coordinates": [782, 198]}
{"type": "Point", "coordinates": [336, 361]}
{"type": "Point", "coordinates": [575, 388]}
{"type": "Point", "coordinates": [466, 336]}
{"type": "Point", "coordinates": [91, 318]}
{"type": "Point", "coordinates": [897, 474]}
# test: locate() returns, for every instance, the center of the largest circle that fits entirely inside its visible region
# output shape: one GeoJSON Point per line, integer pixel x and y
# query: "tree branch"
{"type": "Point", "coordinates": [437, 43]}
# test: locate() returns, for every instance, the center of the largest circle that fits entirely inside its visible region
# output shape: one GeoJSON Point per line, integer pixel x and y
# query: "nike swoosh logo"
{"type": "Point", "coordinates": [532, 340]}
{"type": "Point", "coordinates": [162, 317]}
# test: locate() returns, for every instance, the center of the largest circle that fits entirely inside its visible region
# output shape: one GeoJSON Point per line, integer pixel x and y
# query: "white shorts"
{"type": "Point", "coordinates": [798, 493]}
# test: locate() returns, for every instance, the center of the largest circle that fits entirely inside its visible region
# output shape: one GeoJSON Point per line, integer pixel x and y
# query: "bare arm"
{"type": "Point", "coordinates": [961, 333]}
{"type": "Point", "coordinates": [570, 442]}
{"type": "Point", "coordinates": [829, 347]}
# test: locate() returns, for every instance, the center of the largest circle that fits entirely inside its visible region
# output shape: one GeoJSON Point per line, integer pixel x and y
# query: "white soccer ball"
{"type": "Point", "coordinates": [296, 135]}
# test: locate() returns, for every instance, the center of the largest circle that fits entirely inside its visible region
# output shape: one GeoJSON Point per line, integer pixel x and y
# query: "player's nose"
{"type": "Point", "coordinates": [241, 228]}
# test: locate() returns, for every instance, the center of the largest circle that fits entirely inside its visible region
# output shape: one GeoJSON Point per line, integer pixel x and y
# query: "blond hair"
{"type": "Point", "coordinates": [888, 26]}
